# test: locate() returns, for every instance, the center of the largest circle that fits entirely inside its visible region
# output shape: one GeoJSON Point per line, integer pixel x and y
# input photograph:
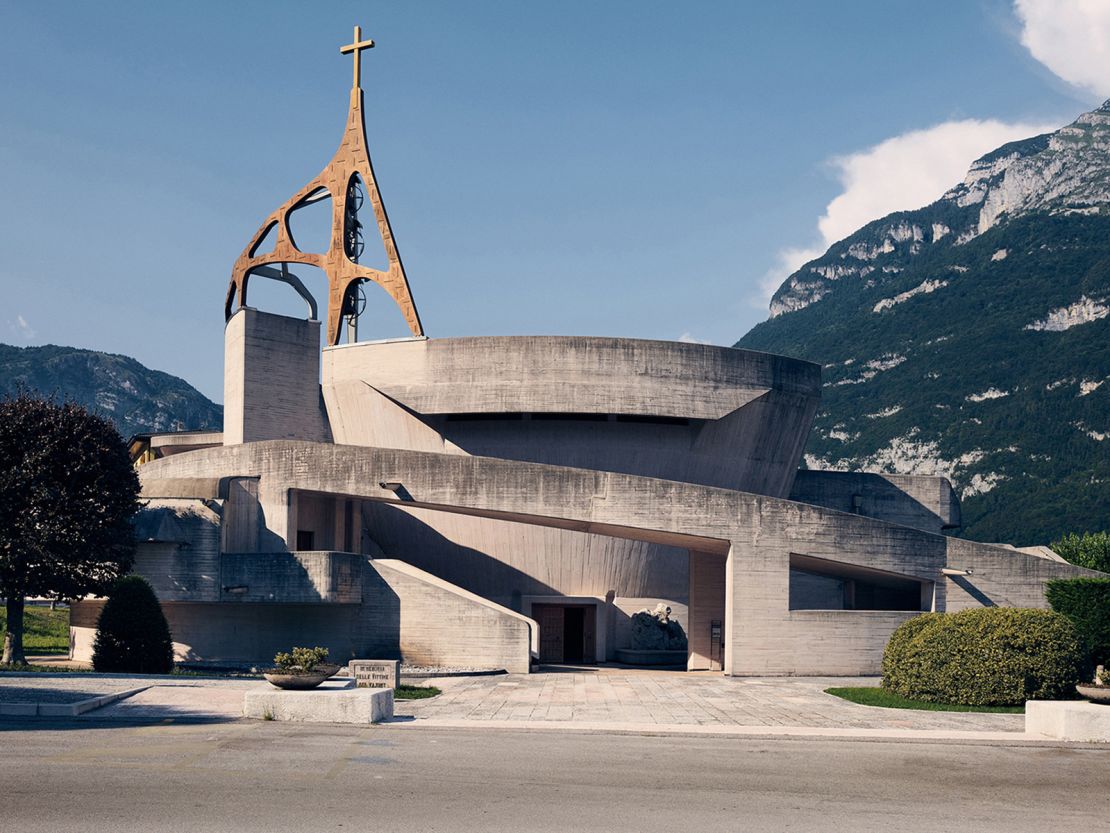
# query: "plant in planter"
{"type": "Point", "coordinates": [300, 668]}
{"type": "Point", "coordinates": [1098, 690]}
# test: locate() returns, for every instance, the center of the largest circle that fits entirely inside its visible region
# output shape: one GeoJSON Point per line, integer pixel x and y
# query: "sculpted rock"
{"type": "Point", "coordinates": [655, 630]}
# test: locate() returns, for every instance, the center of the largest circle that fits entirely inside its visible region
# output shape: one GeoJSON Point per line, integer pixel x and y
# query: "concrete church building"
{"type": "Point", "coordinates": [494, 502]}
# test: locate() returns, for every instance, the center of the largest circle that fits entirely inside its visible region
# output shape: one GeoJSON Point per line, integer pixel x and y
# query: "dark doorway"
{"type": "Point", "coordinates": [574, 634]}
{"type": "Point", "coordinates": [568, 633]}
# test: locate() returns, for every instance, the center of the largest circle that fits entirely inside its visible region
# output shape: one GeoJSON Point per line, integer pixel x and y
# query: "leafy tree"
{"type": "Point", "coordinates": [67, 496]}
{"type": "Point", "coordinates": [1090, 550]}
{"type": "Point", "coordinates": [132, 635]}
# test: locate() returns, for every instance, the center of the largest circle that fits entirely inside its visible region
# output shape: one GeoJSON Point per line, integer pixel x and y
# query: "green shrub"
{"type": "Point", "coordinates": [992, 656]}
{"type": "Point", "coordinates": [894, 656]}
{"type": "Point", "coordinates": [1090, 550]}
{"type": "Point", "coordinates": [131, 634]}
{"type": "Point", "coordinates": [300, 659]}
{"type": "Point", "coordinates": [1086, 602]}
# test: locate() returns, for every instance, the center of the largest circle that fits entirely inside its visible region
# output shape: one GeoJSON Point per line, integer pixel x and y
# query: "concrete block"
{"type": "Point", "coordinates": [19, 709]}
{"type": "Point", "coordinates": [375, 673]}
{"type": "Point", "coordinates": [1070, 720]}
{"type": "Point", "coordinates": [335, 701]}
{"type": "Point", "coordinates": [58, 709]}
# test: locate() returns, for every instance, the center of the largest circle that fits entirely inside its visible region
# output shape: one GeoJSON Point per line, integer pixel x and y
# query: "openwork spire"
{"type": "Point", "coordinates": [339, 262]}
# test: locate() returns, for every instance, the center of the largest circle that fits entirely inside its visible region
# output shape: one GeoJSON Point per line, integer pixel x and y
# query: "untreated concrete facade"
{"type": "Point", "coordinates": [433, 499]}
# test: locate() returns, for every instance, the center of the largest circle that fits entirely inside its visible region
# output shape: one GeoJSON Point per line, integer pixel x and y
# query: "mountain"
{"type": "Point", "coordinates": [134, 397]}
{"type": "Point", "coordinates": [971, 338]}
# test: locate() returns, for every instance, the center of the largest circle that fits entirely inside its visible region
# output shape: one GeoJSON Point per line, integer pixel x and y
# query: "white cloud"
{"type": "Point", "coordinates": [1071, 38]}
{"type": "Point", "coordinates": [21, 328]}
{"type": "Point", "coordinates": [899, 174]}
{"type": "Point", "coordinates": [688, 338]}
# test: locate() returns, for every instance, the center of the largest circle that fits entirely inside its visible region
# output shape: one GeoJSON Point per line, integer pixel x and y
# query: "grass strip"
{"type": "Point", "coordinates": [415, 692]}
{"type": "Point", "coordinates": [875, 696]}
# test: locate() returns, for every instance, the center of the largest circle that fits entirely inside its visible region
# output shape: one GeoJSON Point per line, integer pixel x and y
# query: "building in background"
{"type": "Point", "coordinates": [495, 502]}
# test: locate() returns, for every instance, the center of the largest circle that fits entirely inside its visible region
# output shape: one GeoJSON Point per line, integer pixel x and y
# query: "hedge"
{"type": "Point", "coordinates": [991, 656]}
{"type": "Point", "coordinates": [1086, 602]}
{"type": "Point", "coordinates": [132, 635]}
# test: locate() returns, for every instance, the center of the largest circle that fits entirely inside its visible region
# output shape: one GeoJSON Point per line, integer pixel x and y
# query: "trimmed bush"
{"type": "Point", "coordinates": [991, 656]}
{"type": "Point", "coordinates": [1086, 602]}
{"type": "Point", "coordinates": [900, 642]}
{"type": "Point", "coordinates": [304, 660]}
{"type": "Point", "coordinates": [132, 635]}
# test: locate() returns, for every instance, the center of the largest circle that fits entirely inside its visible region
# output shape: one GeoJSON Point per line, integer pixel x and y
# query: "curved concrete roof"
{"type": "Point", "coordinates": [568, 374]}
{"type": "Point", "coordinates": [757, 534]}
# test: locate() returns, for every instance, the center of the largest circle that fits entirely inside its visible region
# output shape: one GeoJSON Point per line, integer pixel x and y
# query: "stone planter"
{"type": "Point", "coordinates": [638, 656]}
{"type": "Point", "coordinates": [1095, 693]}
{"type": "Point", "coordinates": [299, 680]}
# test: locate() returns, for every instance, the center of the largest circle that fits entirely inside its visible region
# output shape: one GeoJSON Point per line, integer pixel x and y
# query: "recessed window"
{"type": "Point", "coordinates": [306, 540]}
{"type": "Point", "coordinates": [821, 584]}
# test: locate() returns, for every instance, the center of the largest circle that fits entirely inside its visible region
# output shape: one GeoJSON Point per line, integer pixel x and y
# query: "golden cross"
{"type": "Point", "coordinates": [357, 48]}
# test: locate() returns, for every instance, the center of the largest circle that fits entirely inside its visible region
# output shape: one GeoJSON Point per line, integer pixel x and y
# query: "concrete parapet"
{"type": "Point", "coordinates": [756, 537]}
{"type": "Point", "coordinates": [335, 701]}
{"type": "Point", "coordinates": [291, 577]}
{"type": "Point", "coordinates": [927, 503]}
{"type": "Point", "coordinates": [444, 625]}
{"type": "Point", "coordinates": [1068, 720]}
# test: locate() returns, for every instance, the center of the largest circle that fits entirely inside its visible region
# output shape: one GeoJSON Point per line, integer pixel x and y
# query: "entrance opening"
{"type": "Point", "coordinates": [568, 633]}
{"type": "Point", "coordinates": [574, 633]}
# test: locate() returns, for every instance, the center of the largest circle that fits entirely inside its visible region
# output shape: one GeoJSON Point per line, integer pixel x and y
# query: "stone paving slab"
{"type": "Point", "coordinates": [160, 697]}
{"type": "Point", "coordinates": [611, 697]}
{"type": "Point", "coordinates": [35, 692]}
{"type": "Point", "coordinates": [197, 701]}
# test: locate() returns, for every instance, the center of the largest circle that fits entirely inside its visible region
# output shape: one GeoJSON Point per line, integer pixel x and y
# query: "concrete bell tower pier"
{"type": "Point", "coordinates": [272, 379]}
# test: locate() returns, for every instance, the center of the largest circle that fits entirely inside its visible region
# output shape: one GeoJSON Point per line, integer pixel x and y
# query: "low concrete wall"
{"type": "Point", "coordinates": [222, 633]}
{"type": "Point", "coordinates": [406, 613]}
{"type": "Point", "coordinates": [335, 701]}
{"type": "Point", "coordinates": [1068, 720]}
{"type": "Point", "coordinates": [444, 625]}
{"type": "Point", "coordinates": [291, 577]}
{"type": "Point", "coordinates": [1001, 577]}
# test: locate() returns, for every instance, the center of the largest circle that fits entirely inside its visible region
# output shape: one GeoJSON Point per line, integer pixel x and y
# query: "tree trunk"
{"type": "Point", "coordinates": [13, 637]}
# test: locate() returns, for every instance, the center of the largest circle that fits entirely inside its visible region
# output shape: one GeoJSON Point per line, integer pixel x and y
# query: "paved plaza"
{"type": "Point", "coordinates": [696, 701]}
{"type": "Point", "coordinates": [596, 699]}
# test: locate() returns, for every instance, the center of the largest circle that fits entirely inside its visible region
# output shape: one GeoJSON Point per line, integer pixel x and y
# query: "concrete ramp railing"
{"type": "Point", "coordinates": [444, 625]}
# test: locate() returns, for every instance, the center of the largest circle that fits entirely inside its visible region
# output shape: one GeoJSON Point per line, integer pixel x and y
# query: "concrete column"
{"type": "Point", "coordinates": [278, 532]}
{"type": "Point", "coordinates": [730, 604]}
{"type": "Point", "coordinates": [707, 605]}
{"type": "Point", "coordinates": [272, 379]}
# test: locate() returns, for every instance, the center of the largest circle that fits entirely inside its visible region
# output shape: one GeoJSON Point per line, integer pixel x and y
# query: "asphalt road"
{"type": "Point", "coordinates": [267, 776]}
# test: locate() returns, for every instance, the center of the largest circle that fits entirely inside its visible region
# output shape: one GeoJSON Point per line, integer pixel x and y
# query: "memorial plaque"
{"type": "Point", "coordinates": [375, 673]}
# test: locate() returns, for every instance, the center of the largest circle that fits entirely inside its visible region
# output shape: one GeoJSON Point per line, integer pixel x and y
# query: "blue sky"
{"type": "Point", "coordinates": [613, 168]}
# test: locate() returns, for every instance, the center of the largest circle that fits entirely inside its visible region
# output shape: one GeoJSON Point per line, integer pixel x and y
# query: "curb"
{"type": "Point", "coordinates": [756, 732]}
{"type": "Point", "coordinates": [65, 709]}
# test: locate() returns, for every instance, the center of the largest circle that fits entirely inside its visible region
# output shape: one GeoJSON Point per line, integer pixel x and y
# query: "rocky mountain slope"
{"type": "Point", "coordinates": [136, 398]}
{"type": "Point", "coordinates": [971, 338]}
